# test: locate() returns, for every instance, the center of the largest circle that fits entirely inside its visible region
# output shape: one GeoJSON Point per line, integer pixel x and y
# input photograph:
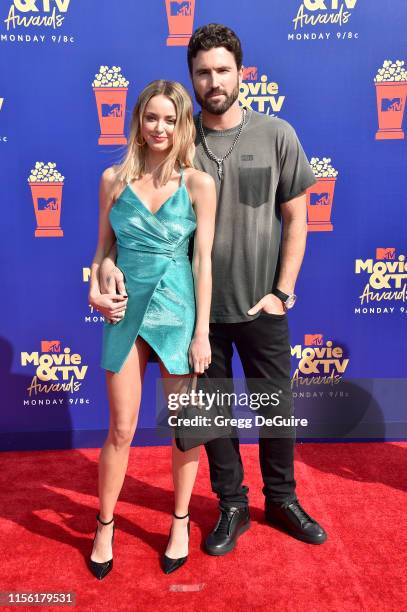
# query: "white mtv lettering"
{"type": "Point", "coordinates": [85, 274]}
{"type": "Point", "coordinates": [316, 366]}
{"type": "Point", "coordinates": [319, 5]}
{"type": "Point", "coordinates": [366, 266]}
{"type": "Point", "coordinates": [341, 367]}
{"type": "Point", "coordinates": [326, 363]}
{"type": "Point", "coordinates": [47, 373]}
{"type": "Point", "coordinates": [29, 358]}
{"type": "Point", "coordinates": [25, 6]}
{"type": "Point", "coordinates": [275, 103]}
{"type": "Point", "coordinates": [62, 5]}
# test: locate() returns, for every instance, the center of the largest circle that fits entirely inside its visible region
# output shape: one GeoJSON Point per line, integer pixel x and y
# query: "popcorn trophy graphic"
{"type": "Point", "coordinates": [320, 196]}
{"type": "Point", "coordinates": [180, 17]}
{"type": "Point", "coordinates": [110, 89]}
{"type": "Point", "coordinates": [46, 189]}
{"type": "Point", "coordinates": [391, 90]}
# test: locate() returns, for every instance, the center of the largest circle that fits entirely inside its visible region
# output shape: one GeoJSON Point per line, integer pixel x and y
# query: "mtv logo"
{"type": "Point", "coordinates": [112, 110]}
{"type": "Point", "coordinates": [250, 73]}
{"type": "Point", "coordinates": [50, 346]}
{"type": "Point", "coordinates": [313, 339]}
{"type": "Point", "coordinates": [391, 104]}
{"type": "Point", "coordinates": [320, 199]}
{"type": "Point", "coordinates": [180, 8]}
{"type": "Point", "coordinates": [47, 204]}
{"type": "Point", "coordinates": [386, 253]}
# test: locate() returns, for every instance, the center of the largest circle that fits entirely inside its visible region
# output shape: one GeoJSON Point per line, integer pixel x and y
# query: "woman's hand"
{"type": "Point", "coordinates": [111, 305]}
{"type": "Point", "coordinates": [111, 278]}
{"type": "Point", "coordinates": [199, 354]}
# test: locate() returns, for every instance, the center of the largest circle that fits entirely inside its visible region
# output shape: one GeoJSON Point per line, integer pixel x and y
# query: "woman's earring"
{"type": "Point", "coordinates": [137, 142]}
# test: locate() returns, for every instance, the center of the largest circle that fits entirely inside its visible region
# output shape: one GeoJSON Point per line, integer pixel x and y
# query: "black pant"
{"type": "Point", "coordinates": [264, 350]}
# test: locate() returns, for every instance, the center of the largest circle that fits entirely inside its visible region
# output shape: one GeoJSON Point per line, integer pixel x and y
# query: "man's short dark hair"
{"type": "Point", "coordinates": [214, 35]}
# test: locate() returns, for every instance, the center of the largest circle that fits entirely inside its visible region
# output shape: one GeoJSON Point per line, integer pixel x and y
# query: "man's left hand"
{"type": "Point", "coordinates": [270, 304]}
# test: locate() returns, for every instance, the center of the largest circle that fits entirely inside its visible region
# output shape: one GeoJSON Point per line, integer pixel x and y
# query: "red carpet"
{"type": "Point", "coordinates": [355, 490]}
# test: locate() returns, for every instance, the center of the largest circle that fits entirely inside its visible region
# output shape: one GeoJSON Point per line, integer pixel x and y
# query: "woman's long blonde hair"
{"type": "Point", "coordinates": [183, 149]}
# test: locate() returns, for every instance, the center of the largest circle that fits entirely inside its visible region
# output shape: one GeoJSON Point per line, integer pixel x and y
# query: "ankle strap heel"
{"type": "Point", "coordinates": [100, 521]}
{"type": "Point", "coordinates": [180, 517]}
{"type": "Point", "coordinates": [168, 563]}
{"type": "Point", "coordinates": [102, 568]}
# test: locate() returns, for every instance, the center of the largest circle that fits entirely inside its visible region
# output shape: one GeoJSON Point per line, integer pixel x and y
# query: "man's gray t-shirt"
{"type": "Point", "coordinates": [266, 168]}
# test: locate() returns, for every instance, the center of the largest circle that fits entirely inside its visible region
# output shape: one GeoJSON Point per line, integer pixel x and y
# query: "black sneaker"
{"type": "Point", "coordinates": [294, 520]}
{"type": "Point", "coordinates": [231, 524]}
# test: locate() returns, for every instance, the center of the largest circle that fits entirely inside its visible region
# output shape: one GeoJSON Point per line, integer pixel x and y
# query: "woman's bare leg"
{"type": "Point", "coordinates": [184, 470]}
{"type": "Point", "coordinates": [124, 393]}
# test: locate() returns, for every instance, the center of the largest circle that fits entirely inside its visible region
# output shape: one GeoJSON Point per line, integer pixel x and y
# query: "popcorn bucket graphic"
{"type": "Point", "coordinates": [111, 106]}
{"type": "Point", "coordinates": [180, 17]}
{"type": "Point", "coordinates": [319, 205]}
{"type": "Point", "coordinates": [47, 200]}
{"type": "Point", "coordinates": [391, 101]}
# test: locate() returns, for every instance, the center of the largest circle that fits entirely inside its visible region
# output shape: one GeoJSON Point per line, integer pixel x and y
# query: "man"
{"type": "Point", "coordinates": [261, 173]}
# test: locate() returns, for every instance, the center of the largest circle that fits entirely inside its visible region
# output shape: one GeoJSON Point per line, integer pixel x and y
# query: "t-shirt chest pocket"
{"type": "Point", "coordinates": [254, 185]}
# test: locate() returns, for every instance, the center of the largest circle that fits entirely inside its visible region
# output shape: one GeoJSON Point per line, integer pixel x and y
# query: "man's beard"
{"type": "Point", "coordinates": [217, 109]}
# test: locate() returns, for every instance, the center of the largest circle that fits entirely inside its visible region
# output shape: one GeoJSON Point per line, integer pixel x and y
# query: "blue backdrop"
{"type": "Point", "coordinates": [335, 70]}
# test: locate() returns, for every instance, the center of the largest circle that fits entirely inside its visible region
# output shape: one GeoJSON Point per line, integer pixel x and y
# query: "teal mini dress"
{"type": "Point", "coordinates": [152, 253]}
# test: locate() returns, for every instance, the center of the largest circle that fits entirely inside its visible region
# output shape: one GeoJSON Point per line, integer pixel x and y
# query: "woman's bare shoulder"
{"type": "Point", "coordinates": [196, 179]}
{"type": "Point", "coordinates": [111, 183]}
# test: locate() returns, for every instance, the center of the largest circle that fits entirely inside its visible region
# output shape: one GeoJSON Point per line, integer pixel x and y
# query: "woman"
{"type": "Point", "coordinates": [151, 204]}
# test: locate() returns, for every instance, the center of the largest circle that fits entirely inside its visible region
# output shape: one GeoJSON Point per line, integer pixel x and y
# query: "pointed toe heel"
{"type": "Point", "coordinates": [101, 569]}
{"type": "Point", "coordinates": [170, 565]}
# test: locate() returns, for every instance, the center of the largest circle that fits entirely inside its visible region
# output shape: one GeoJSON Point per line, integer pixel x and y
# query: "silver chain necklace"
{"type": "Point", "coordinates": [219, 160]}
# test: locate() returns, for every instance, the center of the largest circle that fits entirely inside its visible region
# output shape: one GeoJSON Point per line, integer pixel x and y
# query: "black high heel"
{"type": "Point", "coordinates": [170, 565]}
{"type": "Point", "coordinates": [100, 570]}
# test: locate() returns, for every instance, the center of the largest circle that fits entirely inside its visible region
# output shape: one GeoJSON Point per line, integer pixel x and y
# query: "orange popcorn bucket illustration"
{"type": "Point", "coordinates": [319, 205]}
{"type": "Point", "coordinates": [111, 106]}
{"type": "Point", "coordinates": [47, 200]}
{"type": "Point", "coordinates": [180, 17]}
{"type": "Point", "coordinates": [391, 101]}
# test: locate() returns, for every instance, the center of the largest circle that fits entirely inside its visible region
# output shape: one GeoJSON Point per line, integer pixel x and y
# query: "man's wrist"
{"type": "Point", "coordinates": [288, 289]}
{"type": "Point", "coordinates": [288, 299]}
